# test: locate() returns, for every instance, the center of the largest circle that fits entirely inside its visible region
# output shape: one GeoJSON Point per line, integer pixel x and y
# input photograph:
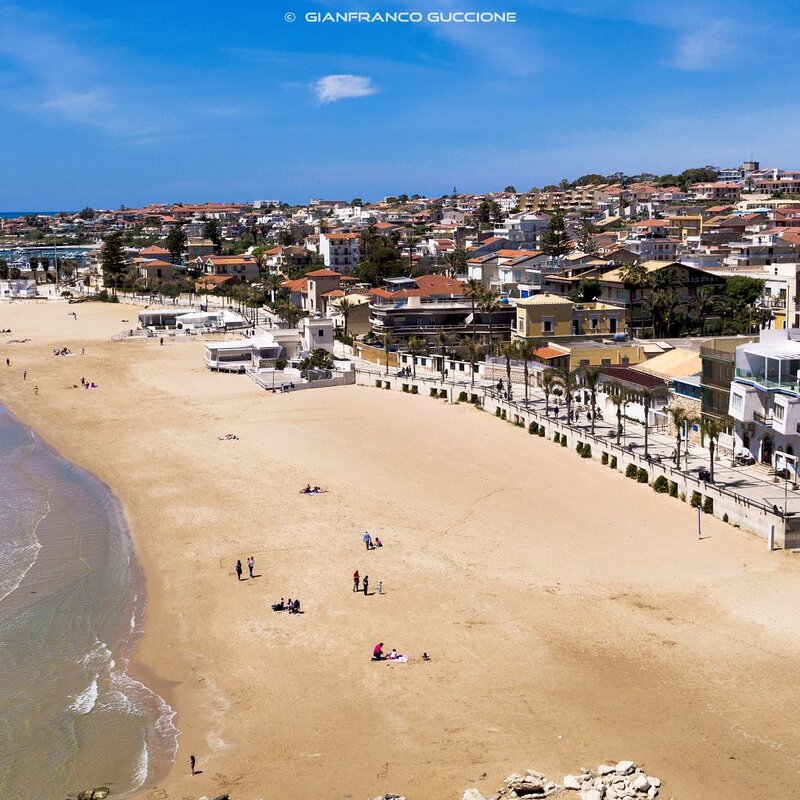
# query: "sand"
{"type": "Point", "coordinates": [572, 616]}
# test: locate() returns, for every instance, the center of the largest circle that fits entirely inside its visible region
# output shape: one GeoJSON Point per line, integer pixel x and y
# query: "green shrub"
{"type": "Point", "coordinates": [661, 485]}
{"type": "Point", "coordinates": [604, 459]}
{"type": "Point", "coordinates": [533, 428]}
{"type": "Point", "coordinates": [642, 476]}
{"type": "Point", "coordinates": [378, 384]}
{"type": "Point", "coordinates": [497, 411]}
{"type": "Point", "coordinates": [556, 437]}
{"type": "Point", "coordinates": [725, 517]}
{"type": "Point", "coordinates": [587, 451]}
{"type": "Point", "coordinates": [673, 489]}
{"type": "Point", "coordinates": [473, 398]}
{"type": "Point", "coordinates": [579, 448]}
{"type": "Point", "coordinates": [387, 385]}
{"type": "Point", "coordinates": [613, 463]}
{"type": "Point", "coordinates": [503, 415]}
{"type": "Point", "coordinates": [708, 505]}
{"type": "Point", "coordinates": [462, 397]}
{"type": "Point", "coordinates": [443, 394]}
{"type": "Point", "coordinates": [630, 471]}
{"type": "Point", "coordinates": [405, 388]}
{"type": "Point", "coordinates": [696, 500]}
{"type": "Point", "coordinates": [563, 439]}
{"type": "Point", "coordinates": [414, 390]}
{"type": "Point", "coordinates": [541, 431]}
{"type": "Point", "coordinates": [434, 393]}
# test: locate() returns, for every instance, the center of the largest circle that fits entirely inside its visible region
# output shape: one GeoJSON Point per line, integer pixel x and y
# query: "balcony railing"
{"type": "Point", "coordinates": [791, 382]}
{"type": "Point", "coordinates": [763, 419]}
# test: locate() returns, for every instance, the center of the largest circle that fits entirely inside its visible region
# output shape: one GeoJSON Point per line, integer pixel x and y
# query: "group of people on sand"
{"type": "Point", "coordinates": [292, 606]}
{"type": "Point", "coordinates": [228, 437]}
{"type": "Point", "coordinates": [360, 585]}
{"type": "Point", "coordinates": [251, 563]}
{"type": "Point", "coordinates": [404, 372]}
{"type": "Point", "coordinates": [312, 489]}
{"type": "Point", "coordinates": [88, 384]}
{"type": "Point", "coordinates": [392, 655]}
{"type": "Point", "coordinates": [368, 541]}
{"type": "Point", "coordinates": [64, 351]}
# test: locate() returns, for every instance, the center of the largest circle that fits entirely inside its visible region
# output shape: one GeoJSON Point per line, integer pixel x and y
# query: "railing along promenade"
{"type": "Point", "coordinates": [734, 507]}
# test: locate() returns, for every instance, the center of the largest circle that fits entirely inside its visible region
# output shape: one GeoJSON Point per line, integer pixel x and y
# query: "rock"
{"type": "Point", "coordinates": [625, 767]}
{"type": "Point", "coordinates": [641, 784]}
{"type": "Point", "coordinates": [472, 794]}
{"type": "Point", "coordinates": [605, 769]}
{"type": "Point", "coordinates": [611, 793]}
{"type": "Point", "coordinates": [100, 793]}
{"type": "Point", "coordinates": [571, 782]}
{"type": "Point", "coordinates": [528, 789]}
{"type": "Point", "coordinates": [653, 781]}
{"type": "Point", "coordinates": [228, 797]}
{"type": "Point", "coordinates": [652, 792]}
{"type": "Point", "coordinates": [592, 794]}
{"type": "Point", "coordinates": [535, 776]}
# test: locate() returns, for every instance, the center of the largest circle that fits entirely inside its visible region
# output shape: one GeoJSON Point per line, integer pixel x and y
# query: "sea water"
{"type": "Point", "coordinates": [71, 717]}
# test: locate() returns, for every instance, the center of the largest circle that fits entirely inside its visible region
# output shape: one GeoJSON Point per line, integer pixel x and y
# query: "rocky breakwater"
{"type": "Point", "coordinates": [620, 781]}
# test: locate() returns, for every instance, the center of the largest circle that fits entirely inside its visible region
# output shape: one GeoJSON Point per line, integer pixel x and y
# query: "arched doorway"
{"type": "Point", "coordinates": [766, 450]}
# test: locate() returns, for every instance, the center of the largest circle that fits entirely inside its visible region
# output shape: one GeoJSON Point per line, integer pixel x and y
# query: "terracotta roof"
{"type": "Point", "coordinates": [154, 262]}
{"type": "Point", "coordinates": [154, 250]}
{"type": "Point", "coordinates": [299, 285]}
{"type": "Point", "coordinates": [334, 293]}
{"type": "Point", "coordinates": [322, 273]}
{"type": "Point", "coordinates": [214, 280]}
{"type": "Point", "coordinates": [546, 353]}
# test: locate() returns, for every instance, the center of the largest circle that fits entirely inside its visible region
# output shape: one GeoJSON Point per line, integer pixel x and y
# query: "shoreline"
{"type": "Point", "coordinates": [564, 629]}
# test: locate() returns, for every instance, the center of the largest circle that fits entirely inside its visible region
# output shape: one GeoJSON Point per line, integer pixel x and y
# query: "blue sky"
{"type": "Point", "coordinates": [110, 103]}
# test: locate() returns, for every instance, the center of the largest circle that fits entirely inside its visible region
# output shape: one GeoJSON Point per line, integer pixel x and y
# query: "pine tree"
{"type": "Point", "coordinates": [556, 241]}
{"type": "Point", "coordinates": [211, 231]}
{"type": "Point", "coordinates": [176, 243]}
{"type": "Point", "coordinates": [112, 260]}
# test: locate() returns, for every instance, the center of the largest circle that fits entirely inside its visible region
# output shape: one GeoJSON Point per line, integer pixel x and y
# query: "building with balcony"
{"type": "Point", "coordinates": [545, 317]}
{"type": "Point", "coordinates": [340, 251]}
{"type": "Point", "coordinates": [426, 305]}
{"type": "Point", "coordinates": [765, 396]}
{"type": "Point", "coordinates": [716, 374]}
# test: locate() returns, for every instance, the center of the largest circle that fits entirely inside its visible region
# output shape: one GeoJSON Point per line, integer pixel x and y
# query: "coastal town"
{"type": "Point", "coordinates": [532, 426]}
{"type": "Point", "coordinates": [666, 307]}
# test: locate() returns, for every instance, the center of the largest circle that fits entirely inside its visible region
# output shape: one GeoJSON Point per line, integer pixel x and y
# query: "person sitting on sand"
{"type": "Point", "coordinates": [377, 652]}
{"type": "Point", "coordinates": [392, 655]}
{"type": "Point", "coordinates": [426, 657]}
{"type": "Point", "coordinates": [307, 490]}
{"type": "Point", "coordinates": [295, 607]}
{"type": "Point", "coordinates": [279, 606]}
{"type": "Point", "coordinates": [377, 542]}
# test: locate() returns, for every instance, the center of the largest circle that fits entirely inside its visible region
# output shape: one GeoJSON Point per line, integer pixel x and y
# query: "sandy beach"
{"type": "Point", "coordinates": [572, 616]}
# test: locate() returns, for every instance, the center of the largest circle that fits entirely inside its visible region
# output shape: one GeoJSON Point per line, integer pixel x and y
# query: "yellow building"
{"type": "Point", "coordinates": [544, 317]}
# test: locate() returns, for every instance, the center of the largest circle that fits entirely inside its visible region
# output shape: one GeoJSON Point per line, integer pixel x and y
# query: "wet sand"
{"type": "Point", "coordinates": [572, 616]}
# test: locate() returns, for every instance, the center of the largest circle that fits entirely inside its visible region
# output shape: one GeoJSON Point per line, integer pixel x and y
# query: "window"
{"type": "Point", "coordinates": [605, 362]}
{"type": "Point", "coordinates": [737, 401]}
{"type": "Point", "coordinates": [547, 326]}
{"type": "Point", "coordinates": [594, 322]}
{"type": "Point", "coordinates": [625, 360]}
{"type": "Point", "coordinates": [778, 412]}
{"type": "Point", "coordinates": [584, 362]}
{"type": "Point", "coordinates": [520, 325]}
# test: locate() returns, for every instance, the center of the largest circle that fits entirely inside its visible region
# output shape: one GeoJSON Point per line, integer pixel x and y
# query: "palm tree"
{"type": "Point", "coordinates": [548, 384]}
{"type": "Point", "coordinates": [526, 350]}
{"type": "Point", "coordinates": [663, 279]}
{"type": "Point", "coordinates": [620, 398]}
{"type": "Point", "coordinates": [474, 352]}
{"type": "Point", "coordinates": [679, 418]}
{"type": "Point", "coordinates": [345, 306]}
{"type": "Point", "coordinates": [590, 377]}
{"type": "Point", "coordinates": [443, 339]}
{"type": "Point", "coordinates": [567, 379]}
{"type": "Point", "coordinates": [633, 276]}
{"type": "Point", "coordinates": [670, 303]}
{"type": "Point", "coordinates": [489, 303]}
{"type": "Point", "coordinates": [416, 346]}
{"type": "Point", "coordinates": [703, 305]}
{"type": "Point", "coordinates": [473, 291]}
{"type": "Point", "coordinates": [508, 350]}
{"type": "Point", "coordinates": [455, 262]}
{"type": "Point", "coordinates": [712, 428]}
{"type": "Point", "coordinates": [647, 397]}
{"type": "Point", "coordinates": [386, 340]}
{"type": "Point", "coordinates": [273, 283]}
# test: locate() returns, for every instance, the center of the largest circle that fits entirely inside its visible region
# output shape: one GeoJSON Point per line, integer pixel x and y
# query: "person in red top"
{"type": "Point", "coordinates": [377, 653]}
{"type": "Point", "coordinates": [356, 579]}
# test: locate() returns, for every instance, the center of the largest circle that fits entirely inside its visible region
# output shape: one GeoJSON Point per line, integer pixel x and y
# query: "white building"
{"type": "Point", "coordinates": [18, 287]}
{"type": "Point", "coordinates": [340, 251]}
{"type": "Point", "coordinates": [765, 397]}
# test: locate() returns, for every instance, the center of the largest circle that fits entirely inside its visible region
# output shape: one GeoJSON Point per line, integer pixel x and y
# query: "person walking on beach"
{"type": "Point", "coordinates": [162, 341]}
{"type": "Point", "coordinates": [366, 584]}
{"type": "Point", "coordinates": [25, 375]}
{"type": "Point", "coordinates": [36, 390]}
{"type": "Point", "coordinates": [250, 564]}
{"type": "Point", "coordinates": [356, 580]}
{"type": "Point", "coordinates": [239, 569]}
{"type": "Point", "coordinates": [367, 540]}
{"type": "Point", "coordinates": [192, 762]}
{"type": "Point", "coordinates": [380, 587]}
{"type": "Point", "coordinates": [8, 362]}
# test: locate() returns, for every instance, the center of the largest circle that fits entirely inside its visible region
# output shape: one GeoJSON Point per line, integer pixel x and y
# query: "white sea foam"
{"type": "Point", "coordinates": [86, 700]}
{"type": "Point", "coordinates": [142, 767]}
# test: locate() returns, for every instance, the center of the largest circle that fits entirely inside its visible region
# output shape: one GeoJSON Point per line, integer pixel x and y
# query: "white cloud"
{"type": "Point", "coordinates": [339, 87]}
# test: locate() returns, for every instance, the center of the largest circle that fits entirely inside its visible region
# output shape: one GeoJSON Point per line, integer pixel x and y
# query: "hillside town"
{"type": "Point", "coordinates": [684, 283]}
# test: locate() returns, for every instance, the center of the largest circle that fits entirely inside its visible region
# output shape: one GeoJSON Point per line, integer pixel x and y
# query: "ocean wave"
{"type": "Point", "coordinates": [142, 767]}
{"type": "Point", "coordinates": [86, 700]}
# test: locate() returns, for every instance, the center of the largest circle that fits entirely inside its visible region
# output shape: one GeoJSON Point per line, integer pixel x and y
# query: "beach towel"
{"type": "Point", "coordinates": [398, 660]}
